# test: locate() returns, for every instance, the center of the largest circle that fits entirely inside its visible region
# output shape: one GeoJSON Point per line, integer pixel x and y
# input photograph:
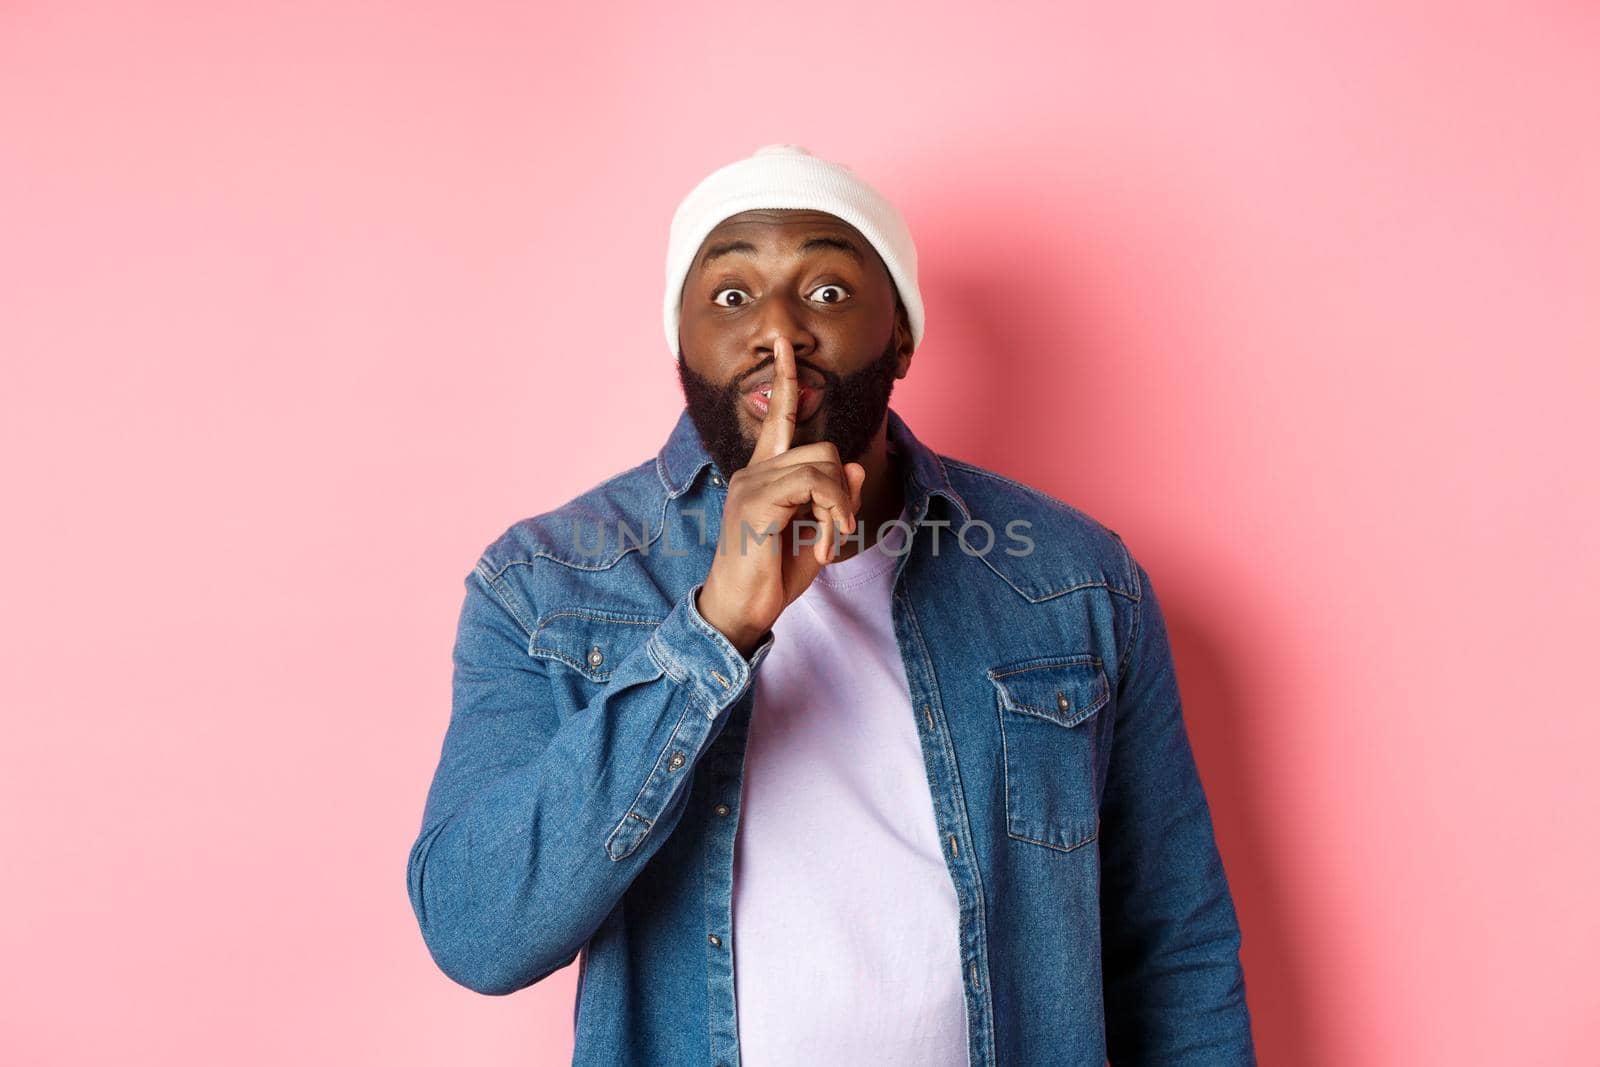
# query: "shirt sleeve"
{"type": "Point", "coordinates": [535, 824]}
{"type": "Point", "coordinates": [1173, 983]}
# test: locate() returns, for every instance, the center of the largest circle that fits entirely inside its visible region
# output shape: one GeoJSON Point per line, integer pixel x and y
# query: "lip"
{"type": "Point", "coordinates": [809, 404]}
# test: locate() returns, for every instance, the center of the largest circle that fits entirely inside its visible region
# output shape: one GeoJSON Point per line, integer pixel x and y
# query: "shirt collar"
{"type": "Point", "coordinates": [683, 459]}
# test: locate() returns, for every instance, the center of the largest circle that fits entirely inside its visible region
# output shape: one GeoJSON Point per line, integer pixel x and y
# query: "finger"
{"type": "Point", "coordinates": [828, 517]}
{"type": "Point", "coordinates": [824, 515]}
{"type": "Point", "coordinates": [823, 456]}
{"type": "Point", "coordinates": [802, 488]}
{"type": "Point", "coordinates": [815, 452]}
{"type": "Point", "coordinates": [832, 505]}
{"type": "Point", "coordinates": [829, 522]}
{"type": "Point", "coordinates": [828, 485]}
{"type": "Point", "coordinates": [777, 430]}
{"type": "Point", "coordinates": [817, 529]}
{"type": "Point", "coordinates": [855, 476]}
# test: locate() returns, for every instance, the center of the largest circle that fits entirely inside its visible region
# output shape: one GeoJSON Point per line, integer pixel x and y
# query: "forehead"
{"type": "Point", "coordinates": [780, 230]}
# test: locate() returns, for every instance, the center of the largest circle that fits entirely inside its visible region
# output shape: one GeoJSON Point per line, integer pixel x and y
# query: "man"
{"type": "Point", "coordinates": [819, 746]}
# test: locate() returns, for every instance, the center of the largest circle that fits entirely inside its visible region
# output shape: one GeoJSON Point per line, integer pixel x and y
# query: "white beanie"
{"type": "Point", "coordinates": [788, 176]}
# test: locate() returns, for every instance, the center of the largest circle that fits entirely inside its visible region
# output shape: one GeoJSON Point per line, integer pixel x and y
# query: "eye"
{"type": "Point", "coordinates": [716, 297]}
{"type": "Point", "coordinates": [839, 293]}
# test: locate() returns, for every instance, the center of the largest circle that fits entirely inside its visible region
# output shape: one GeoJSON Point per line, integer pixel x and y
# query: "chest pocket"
{"type": "Point", "coordinates": [592, 641]}
{"type": "Point", "coordinates": [1052, 736]}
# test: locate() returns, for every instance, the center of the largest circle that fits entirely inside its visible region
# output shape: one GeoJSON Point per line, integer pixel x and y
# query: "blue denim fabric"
{"type": "Point", "coordinates": [587, 793]}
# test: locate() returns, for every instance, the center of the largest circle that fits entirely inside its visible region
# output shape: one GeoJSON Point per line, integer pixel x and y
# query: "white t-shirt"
{"type": "Point", "coordinates": [845, 920]}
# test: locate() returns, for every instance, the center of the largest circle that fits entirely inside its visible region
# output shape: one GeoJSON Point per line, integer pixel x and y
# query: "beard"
{"type": "Point", "coordinates": [852, 410]}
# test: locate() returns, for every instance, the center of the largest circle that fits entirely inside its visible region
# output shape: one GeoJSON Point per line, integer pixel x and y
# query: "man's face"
{"type": "Point", "coordinates": [812, 278]}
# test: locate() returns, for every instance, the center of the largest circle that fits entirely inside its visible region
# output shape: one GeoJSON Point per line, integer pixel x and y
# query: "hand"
{"type": "Point", "coordinates": [755, 577]}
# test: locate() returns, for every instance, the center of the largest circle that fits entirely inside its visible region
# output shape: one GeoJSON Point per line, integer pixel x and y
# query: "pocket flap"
{"type": "Point", "coordinates": [592, 641]}
{"type": "Point", "coordinates": [1064, 690]}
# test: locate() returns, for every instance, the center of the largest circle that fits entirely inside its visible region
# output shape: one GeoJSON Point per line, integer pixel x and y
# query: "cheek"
{"type": "Point", "coordinates": [712, 356]}
{"type": "Point", "coordinates": [864, 329]}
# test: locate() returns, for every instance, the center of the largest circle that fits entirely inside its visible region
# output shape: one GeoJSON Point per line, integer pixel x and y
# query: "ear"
{"type": "Point", "coordinates": [903, 341]}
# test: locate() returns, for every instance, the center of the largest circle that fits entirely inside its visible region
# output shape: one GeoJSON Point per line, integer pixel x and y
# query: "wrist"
{"type": "Point", "coordinates": [740, 637]}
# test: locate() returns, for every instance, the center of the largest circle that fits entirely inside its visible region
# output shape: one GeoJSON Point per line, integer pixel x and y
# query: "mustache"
{"type": "Point", "coordinates": [829, 378]}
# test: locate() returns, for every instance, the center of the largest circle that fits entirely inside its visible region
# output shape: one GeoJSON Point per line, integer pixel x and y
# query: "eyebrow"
{"type": "Point", "coordinates": [811, 244]}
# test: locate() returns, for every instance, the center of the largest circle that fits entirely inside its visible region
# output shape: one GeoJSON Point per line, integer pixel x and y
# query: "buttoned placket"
{"type": "Point", "coordinates": [723, 771]}
{"type": "Point", "coordinates": [949, 803]}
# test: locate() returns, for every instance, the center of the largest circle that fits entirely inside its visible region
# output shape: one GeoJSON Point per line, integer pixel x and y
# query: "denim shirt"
{"type": "Point", "coordinates": [586, 799]}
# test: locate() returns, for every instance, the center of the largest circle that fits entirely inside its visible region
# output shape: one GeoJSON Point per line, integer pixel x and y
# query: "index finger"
{"type": "Point", "coordinates": [777, 430]}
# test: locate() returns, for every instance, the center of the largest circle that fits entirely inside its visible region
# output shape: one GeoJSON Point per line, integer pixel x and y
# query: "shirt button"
{"type": "Point", "coordinates": [675, 762]}
{"type": "Point", "coordinates": [1062, 702]}
{"type": "Point", "coordinates": [722, 809]}
{"type": "Point", "coordinates": [715, 940]}
{"type": "Point", "coordinates": [716, 479]}
{"type": "Point", "coordinates": [595, 656]}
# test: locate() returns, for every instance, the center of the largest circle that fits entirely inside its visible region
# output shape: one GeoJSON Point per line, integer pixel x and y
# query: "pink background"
{"type": "Point", "coordinates": [302, 304]}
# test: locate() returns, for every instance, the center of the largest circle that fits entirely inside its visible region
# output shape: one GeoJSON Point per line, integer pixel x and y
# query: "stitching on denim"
{"type": "Point", "coordinates": [978, 904]}
{"type": "Point", "coordinates": [996, 475]}
{"type": "Point", "coordinates": [1021, 667]}
{"type": "Point", "coordinates": [948, 488]}
{"type": "Point", "coordinates": [1052, 594]}
{"type": "Point", "coordinates": [661, 471]}
{"type": "Point", "coordinates": [1133, 631]}
{"type": "Point", "coordinates": [1061, 592]}
{"type": "Point", "coordinates": [622, 618]}
{"type": "Point", "coordinates": [538, 554]}
{"type": "Point", "coordinates": [675, 491]}
{"type": "Point", "coordinates": [1086, 659]}
{"type": "Point", "coordinates": [674, 665]}
{"type": "Point", "coordinates": [735, 663]}
{"type": "Point", "coordinates": [493, 585]}
{"type": "Point", "coordinates": [612, 836]}
{"type": "Point", "coordinates": [561, 657]}
{"type": "Point", "coordinates": [1053, 716]}
{"type": "Point", "coordinates": [680, 674]}
{"type": "Point", "coordinates": [664, 660]}
{"type": "Point", "coordinates": [1129, 566]}
{"type": "Point", "coordinates": [1005, 770]}
{"type": "Point", "coordinates": [581, 666]}
{"type": "Point", "coordinates": [654, 771]}
{"type": "Point", "coordinates": [1017, 707]}
{"type": "Point", "coordinates": [711, 1016]}
{"type": "Point", "coordinates": [1042, 495]}
{"type": "Point", "coordinates": [1048, 844]}
{"type": "Point", "coordinates": [1005, 755]}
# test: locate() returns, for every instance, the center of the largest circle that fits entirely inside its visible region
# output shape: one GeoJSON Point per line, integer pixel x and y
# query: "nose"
{"type": "Point", "coordinates": [778, 319]}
